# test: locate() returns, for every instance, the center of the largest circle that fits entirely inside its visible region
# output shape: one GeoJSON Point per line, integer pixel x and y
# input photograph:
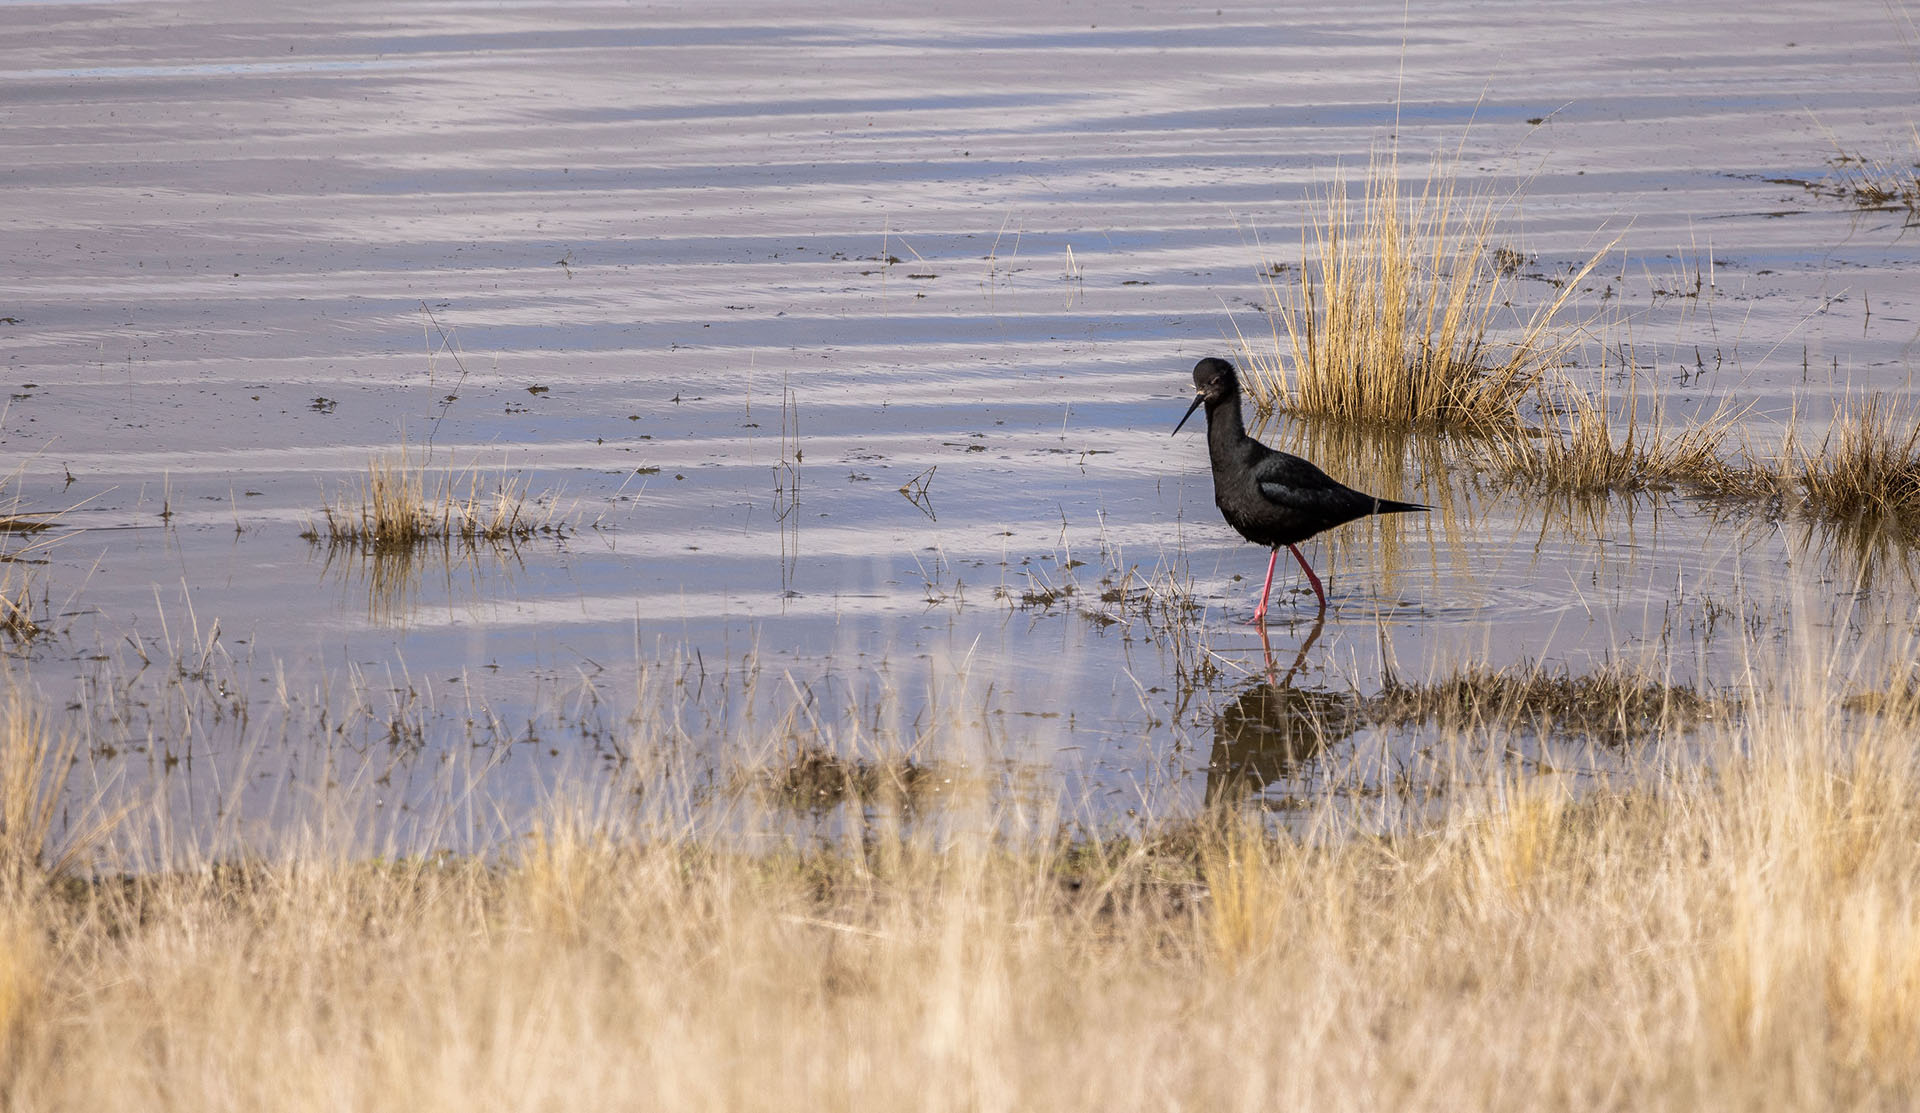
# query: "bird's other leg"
{"type": "Point", "coordinates": [1260, 615]}
{"type": "Point", "coordinates": [1304, 567]}
{"type": "Point", "coordinates": [1300, 658]}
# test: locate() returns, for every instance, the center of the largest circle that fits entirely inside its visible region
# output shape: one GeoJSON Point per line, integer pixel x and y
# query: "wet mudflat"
{"type": "Point", "coordinates": [842, 353]}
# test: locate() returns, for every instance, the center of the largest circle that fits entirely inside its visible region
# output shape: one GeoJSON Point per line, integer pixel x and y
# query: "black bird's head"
{"type": "Point", "coordinates": [1214, 381]}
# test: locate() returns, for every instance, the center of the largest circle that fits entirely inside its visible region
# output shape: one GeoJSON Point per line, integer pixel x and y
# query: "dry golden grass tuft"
{"type": "Point", "coordinates": [1863, 478]}
{"type": "Point", "coordinates": [1867, 465]}
{"type": "Point", "coordinates": [1394, 316]}
{"type": "Point", "coordinates": [1400, 317]}
{"type": "Point", "coordinates": [395, 508]}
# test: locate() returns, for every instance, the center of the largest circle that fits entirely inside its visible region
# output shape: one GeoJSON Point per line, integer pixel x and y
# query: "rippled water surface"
{"type": "Point", "coordinates": [846, 348]}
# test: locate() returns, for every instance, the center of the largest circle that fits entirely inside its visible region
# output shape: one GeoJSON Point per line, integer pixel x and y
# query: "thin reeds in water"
{"type": "Point", "coordinates": [16, 584]}
{"type": "Point", "coordinates": [16, 607]}
{"type": "Point", "coordinates": [1592, 453]}
{"type": "Point", "coordinates": [1889, 183]}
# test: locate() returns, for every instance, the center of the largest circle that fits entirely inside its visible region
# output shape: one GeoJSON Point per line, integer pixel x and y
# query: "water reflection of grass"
{"type": "Point", "coordinates": [1674, 941]}
{"type": "Point", "coordinates": [392, 576]}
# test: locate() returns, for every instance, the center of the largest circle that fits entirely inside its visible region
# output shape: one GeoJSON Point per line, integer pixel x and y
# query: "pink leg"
{"type": "Point", "coordinates": [1304, 567]}
{"type": "Point", "coordinates": [1261, 614]}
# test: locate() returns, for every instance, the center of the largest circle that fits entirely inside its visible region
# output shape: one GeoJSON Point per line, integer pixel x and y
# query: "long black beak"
{"type": "Point", "coordinates": [1196, 405]}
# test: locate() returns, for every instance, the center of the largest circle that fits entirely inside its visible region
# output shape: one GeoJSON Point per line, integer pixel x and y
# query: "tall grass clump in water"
{"type": "Point", "coordinates": [1866, 466]}
{"type": "Point", "coordinates": [394, 509]}
{"type": "Point", "coordinates": [1394, 315]}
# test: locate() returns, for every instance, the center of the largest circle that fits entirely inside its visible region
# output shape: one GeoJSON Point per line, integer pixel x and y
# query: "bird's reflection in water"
{"type": "Point", "coordinates": [1272, 729]}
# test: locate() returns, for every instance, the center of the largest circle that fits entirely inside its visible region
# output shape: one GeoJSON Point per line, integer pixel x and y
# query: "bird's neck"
{"type": "Point", "coordinates": [1226, 430]}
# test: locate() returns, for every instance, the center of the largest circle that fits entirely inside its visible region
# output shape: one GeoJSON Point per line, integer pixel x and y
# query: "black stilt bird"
{"type": "Point", "coordinates": [1272, 498]}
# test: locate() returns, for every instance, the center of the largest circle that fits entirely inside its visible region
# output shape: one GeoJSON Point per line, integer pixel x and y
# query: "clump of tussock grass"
{"type": "Point", "coordinates": [1860, 484]}
{"type": "Point", "coordinates": [1862, 481]}
{"type": "Point", "coordinates": [1866, 467]}
{"type": "Point", "coordinates": [1393, 316]}
{"type": "Point", "coordinates": [1614, 704]}
{"type": "Point", "coordinates": [394, 508]}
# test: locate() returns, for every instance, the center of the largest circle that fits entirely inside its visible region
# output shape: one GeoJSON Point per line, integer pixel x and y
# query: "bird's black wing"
{"type": "Point", "coordinates": [1292, 482]}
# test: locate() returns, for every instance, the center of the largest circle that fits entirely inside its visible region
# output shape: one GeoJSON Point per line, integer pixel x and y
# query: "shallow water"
{"type": "Point", "coordinates": [717, 285]}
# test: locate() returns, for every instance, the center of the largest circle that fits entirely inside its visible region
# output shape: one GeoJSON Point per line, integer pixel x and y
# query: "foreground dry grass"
{"type": "Point", "coordinates": [1736, 939]}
